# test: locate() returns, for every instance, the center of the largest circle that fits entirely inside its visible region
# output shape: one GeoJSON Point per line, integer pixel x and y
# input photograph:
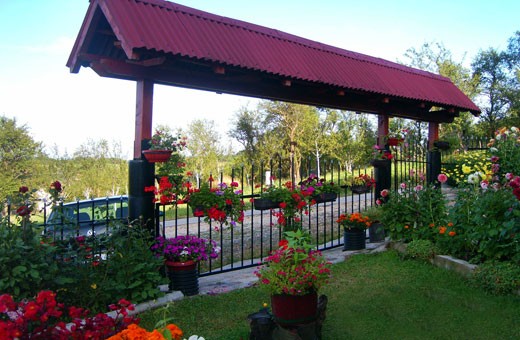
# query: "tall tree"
{"type": "Point", "coordinates": [436, 58]}
{"type": "Point", "coordinates": [17, 151]}
{"type": "Point", "coordinates": [491, 67]}
{"type": "Point", "coordinates": [294, 125]}
{"type": "Point", "coordinates": [513, 90]}
{"type": "Point", "coordinates": [204, 148]}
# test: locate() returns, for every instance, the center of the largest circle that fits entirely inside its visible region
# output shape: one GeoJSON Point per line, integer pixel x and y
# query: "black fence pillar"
{"type": "Point", "coordinates": [433, 166]}
{"type": "Point", "coordinates": [140, 203]}
{"type": "Point", "coordinates": [383, 176]}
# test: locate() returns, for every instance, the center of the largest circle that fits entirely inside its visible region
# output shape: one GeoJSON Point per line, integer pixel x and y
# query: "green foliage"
{"type": "Point", "coordinates": [107, 268]}
{"type": "Point", "coordinates": [420, 250]}
{"type": "Point", "coordinates": [486, 225]}
{"type": "Point", "coordinates": [505, 149]}
{"type": "Point", "coordinates": [497, 277]}
{"type": "Point", "coordinates": [412, 211]}
{"type": "Point", "coordinates": [27, 265]}
{"type": "Point", "coordinates": [17, 150]}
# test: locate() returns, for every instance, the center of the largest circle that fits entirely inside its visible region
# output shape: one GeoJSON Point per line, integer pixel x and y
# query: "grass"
{"type": "Point", "coordinates": [370, 297]}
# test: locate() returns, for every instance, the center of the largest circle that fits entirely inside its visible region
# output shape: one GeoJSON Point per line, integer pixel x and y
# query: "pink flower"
{"type": "Point", "coordinates": [378, 202]}
{"type": "Point", "coordinates": [442, 178]}
{"type": "Point", "coordinates": [385, 192]}
{"type": "Point", "coordinates": [403, 185]}
{"type": "Point", "coordinates": [418, 187]}
{"type": "Point", "coordinates": [509, 176]}
{"type": "Point", "coordinates": [484, 184]}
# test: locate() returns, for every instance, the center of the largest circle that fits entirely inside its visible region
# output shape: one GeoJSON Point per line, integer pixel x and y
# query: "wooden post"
{"type": "Point", "coordinates": [141, 173]}
{"type": "Point", "coordinates": [383, 123]}
{"type": "Point", "coordinates": [433, 157]}
{"type": "Point", "coordinates": [382, 174]}
{"type": "Point", "coordinates": [433, 133]}
{"type": "Point", "coordinates": [143, 115]}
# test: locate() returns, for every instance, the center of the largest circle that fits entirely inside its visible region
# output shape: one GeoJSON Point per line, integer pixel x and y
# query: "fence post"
{"type": "Point", "coordinates": [383, 177]}
{"type": "Point", "coordinates": [433, 166]}
{"type": "Point", "coordinates": [140, 203]}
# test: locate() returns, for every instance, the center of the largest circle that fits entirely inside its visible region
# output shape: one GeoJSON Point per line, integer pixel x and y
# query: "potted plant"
{"type": "Point", "coordinates": [181, 255]}
{"type": "Point", "coordinates": [293, 274]}
{"type": "Point", "coordinates": [162, 145]}
{"type": "Point", "coordinates": [381, 156]}
{"type": "Point", "coordinates": [376, 231]}
{"type": "Point", "coordinates": [221, 203]}
{"type": "Point", "coordinates": [271, 197]}
{"type": "Point", "coordinates": [361, 184]}
{"type": "Point", "coordinates": [320, 189]}
{"type": "Point", "coordinates": [354, 230]}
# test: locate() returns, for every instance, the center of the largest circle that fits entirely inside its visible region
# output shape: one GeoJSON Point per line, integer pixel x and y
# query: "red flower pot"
{"type": "Point", "coordinates": [157, 156]}
{"type": "Point", "coordinates": [290, 310]}
{"type": "Point", "coordinates": [183, 276]}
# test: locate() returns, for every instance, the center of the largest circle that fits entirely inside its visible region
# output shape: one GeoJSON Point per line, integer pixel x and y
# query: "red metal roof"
{"type": "Point", "coordinates": [173, 29]}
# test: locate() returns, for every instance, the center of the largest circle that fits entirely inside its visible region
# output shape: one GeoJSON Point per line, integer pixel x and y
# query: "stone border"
{"type": "Point", "coordinates": [462, 267]}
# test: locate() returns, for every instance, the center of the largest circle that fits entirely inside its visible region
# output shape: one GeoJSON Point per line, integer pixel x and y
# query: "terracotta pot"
{"type": "Point", "coordinates": [157, 156]}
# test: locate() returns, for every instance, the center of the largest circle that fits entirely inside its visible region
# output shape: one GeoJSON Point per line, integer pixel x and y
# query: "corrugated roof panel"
{"type": "Point", "coordinates": [165, 26]}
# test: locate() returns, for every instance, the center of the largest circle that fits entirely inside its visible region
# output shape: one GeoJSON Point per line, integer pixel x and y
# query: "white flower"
{"type": "Point", "coordinates": [514, 129]}
{"type": "Point", "coordinates": [493, 150]}
{"type": "Point", "coordinates": [195, 337]}
{"type": "Point", "coordinates": [473, 179]}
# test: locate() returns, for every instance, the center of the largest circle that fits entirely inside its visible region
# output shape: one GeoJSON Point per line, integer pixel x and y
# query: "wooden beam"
{"type": "Point", "coordinates": [259, 85]}
{"type": "Point", "coordinates": [143, 115]}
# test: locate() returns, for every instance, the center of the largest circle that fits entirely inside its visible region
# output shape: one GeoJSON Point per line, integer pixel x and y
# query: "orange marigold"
{"type": "Point", "coordinates": [452, 233]}
{"type": "Point", "coordinates": [442, 230]}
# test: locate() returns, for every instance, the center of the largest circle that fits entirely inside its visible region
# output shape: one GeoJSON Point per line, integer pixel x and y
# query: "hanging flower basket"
{"type": "Point", "coordinates": [265, 204]}
{"type": "Point", "coordinates": [325, 197]}
{"type": "Point", "coordinates": [157, 156]}
{"type": "Point", "coordinates": [360, 189]}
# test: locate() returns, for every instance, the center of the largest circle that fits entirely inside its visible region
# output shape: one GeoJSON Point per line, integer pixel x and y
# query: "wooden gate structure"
{"type": "Point", "coordinates": [161, 42]}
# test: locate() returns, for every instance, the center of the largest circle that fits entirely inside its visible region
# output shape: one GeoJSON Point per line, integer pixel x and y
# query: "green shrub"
{"type": "Point", "coordinates": [420, 250]}
{"type": "Point", "coordinates": [497, 277]}
{"type": "Point", "coordinates": [26, 265]}
{"type": "Point", "coordinates": [108, 268]}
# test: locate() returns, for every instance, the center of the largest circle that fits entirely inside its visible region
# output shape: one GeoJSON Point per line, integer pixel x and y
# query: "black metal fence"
{"type": "Point", "coordinates": [246, 243]}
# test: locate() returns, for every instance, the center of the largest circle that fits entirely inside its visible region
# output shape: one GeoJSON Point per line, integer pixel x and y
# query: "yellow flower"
{"type": "Point", "coordinates": [466, 169]}
{"type": "Point", "coordinates": [93, 286]}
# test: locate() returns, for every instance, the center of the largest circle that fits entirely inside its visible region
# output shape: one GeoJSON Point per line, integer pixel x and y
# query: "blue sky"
{"type": "Point", "coordinates": [65, 110]}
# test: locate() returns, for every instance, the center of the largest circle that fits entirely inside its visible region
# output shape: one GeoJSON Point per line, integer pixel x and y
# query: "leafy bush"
{"type": "Point", "coordinates": [497, 277]}
{"type": "Point", "coordinates": [104, 269]}
{"type": "Point", "coordinates": [26, 265]}
{"type": "Point", "coordinates": [410, 212]}
{"type": "Point", "coordinates": [420, 249]}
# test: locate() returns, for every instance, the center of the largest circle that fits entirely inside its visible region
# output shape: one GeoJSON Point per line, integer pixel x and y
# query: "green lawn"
{"type": "Point", "coordinates": [376, 296]}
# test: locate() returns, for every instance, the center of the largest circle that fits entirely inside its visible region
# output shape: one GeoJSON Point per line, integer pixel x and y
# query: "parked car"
{"type": "Point", "coordinates": [86, 217]}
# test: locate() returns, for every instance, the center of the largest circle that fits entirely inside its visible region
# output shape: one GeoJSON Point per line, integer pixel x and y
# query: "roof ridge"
{"type": "Point", "coordinates": [291, 38]}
